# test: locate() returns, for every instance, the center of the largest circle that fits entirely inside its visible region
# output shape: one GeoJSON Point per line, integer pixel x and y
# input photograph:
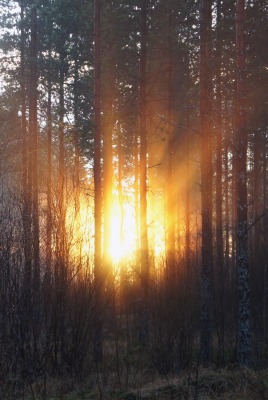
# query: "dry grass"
{"type": "Point", "coordinates": [208, 384]}
{"type": "Point", "coordinates": [202, 384]}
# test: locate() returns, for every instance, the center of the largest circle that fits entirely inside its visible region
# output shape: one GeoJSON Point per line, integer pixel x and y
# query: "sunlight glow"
{"type": "Point", "coordinates": [79, 226]}
{"type": "Point", "coordinates": [123, 232]}
{"type": "Point", "coordinates": [122, 243]}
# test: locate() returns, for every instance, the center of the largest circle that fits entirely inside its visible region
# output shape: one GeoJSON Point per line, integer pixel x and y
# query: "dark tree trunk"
{"type": "Point", "coordinates": [170, 206]}
{"type": "Point", "coordinates": [187, 183]}
{"type": "Point", "coordinates": [206, 177]}
{"type": "Point", "coordinates": [25, 171]}
{"type": "Point", "coordinates": [227, 203]}
{"type": "Point", "coordinates": [75, 132]}
{"type": "Point", "coordinates": [98, 273]}
{"type": "Point", "coordinates": [240, 159]}
{"type": "Point", "coordinates": [61, 234]}
{"type": "Point", "coordinates": [219, 260]}
{"type": "Point", "coordinates": [33, 132]}
{"type": "Point", "coordinates": [144, 328]}
{"type": "Point", "coordinates": [49, 184]}
{"type": "Point", "coordinates": [108, 163]}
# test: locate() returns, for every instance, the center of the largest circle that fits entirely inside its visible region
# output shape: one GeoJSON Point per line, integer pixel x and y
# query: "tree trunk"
{"type": "Point", "coordinates": [219, 261]}
{"type": "Point", "coordinates": [240, 159]}
{"type": "Point", "coordinates": [98, 273]}
{"type": "Point", "coordinates": [61, 261]}
{"type": "Point", "coordinates": [170, 237]}
{"type": "Point", "coordinates": [206, 177]}
{"type": "Point", "coordinates": [108, 165]}
{"type": "Point", "coordinates": [25, 171]}
{"type": "Point", "coordinates": [77, 162]}
{"type": "Point", "coordinates": [49, 183]}
{"type": "Point", "coordinates": [33, 132]}
{"type": "Point", "coordinates": [187, 166]}
{"type": "Point", "coordinates": [144, 328]}
{"type": "Point", "coordinates": [76, 133]}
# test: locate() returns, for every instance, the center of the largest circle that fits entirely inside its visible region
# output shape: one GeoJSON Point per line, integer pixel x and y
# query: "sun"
{"type": "Point", "coordinates": [123, 238]}
{"type": "Point", "coordinates": [124, 241]}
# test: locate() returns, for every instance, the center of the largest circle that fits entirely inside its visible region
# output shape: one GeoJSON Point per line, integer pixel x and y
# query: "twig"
{"type": "Point", "coordinates": [257, 219]}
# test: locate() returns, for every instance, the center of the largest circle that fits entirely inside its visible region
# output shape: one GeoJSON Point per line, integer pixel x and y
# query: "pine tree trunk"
{"type": "Point", "coordinates": [187, 183]}
{"type": "Point", "coordinates": [25, 171]}
{"type": "Point", "coordinates": [61, 261]}
{"type": "Point", "coordinates": [219, 262]}
{"type": "Point", "coordinates": [98, 275]}
{"type": "Point", "coordinates": [108, 165]}
{"type": "Point", "coordinates": [170, 236]}
{"type": "Point", "coordinates": [49, 185]}
{"type": "Point", "coordinates": [144, 328]}
{"type": "Point", "coordinates": [206, 178]}
{"type": "Point", "coordinates": [227, 204]}
{"type": "Point", "coordinates": [76, 133]}
{"type": "Point", "coordinates": [76, 181]}
{"type": "Point", "coordinates": [240, 159]}
{"type": "Point", "coordinates": [33, 132]}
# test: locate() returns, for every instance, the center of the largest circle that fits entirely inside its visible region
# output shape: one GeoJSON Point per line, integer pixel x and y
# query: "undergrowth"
{"type": "Point", "coordinates": [230, 383]}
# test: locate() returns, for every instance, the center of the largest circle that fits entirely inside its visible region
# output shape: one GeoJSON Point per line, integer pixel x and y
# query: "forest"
{"type": "Point", "coordinates": [133, 199]}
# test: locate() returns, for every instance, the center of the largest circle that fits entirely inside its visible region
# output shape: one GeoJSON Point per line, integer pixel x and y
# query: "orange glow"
{"type": "Point", "coordinates": [123, 244]}
{"type": "Point", "coordinates": [79, 229]}
{"type": "Point", "coordinates": [123, 232]}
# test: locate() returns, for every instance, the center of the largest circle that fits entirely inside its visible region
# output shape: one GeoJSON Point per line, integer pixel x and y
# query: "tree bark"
{"type": "Point", "coordinates": [33, 131]}
{"type": "Point", "coordinates": [49, 182]}
{"type": "Point", "coordinates": [108, 163]}
{"type": "Point", "coordinates": [206, 177]}
{"type": "Point", "coordinates": [240, 159]}
{"type": "Point", "coordinates": [144, 328]}
{"type": "Point", "coordinates": [219, 261]}
{"type": "Point", "coordinates": [75, 131]}
{"type": "Point", "coordinates": [61, 261]}
{"type": "Point", "coordinates": [98, 273]}
{"type": "Point", "coordinates": [27, 223]}
{"type": "Point", "coordinates": [170, 245]}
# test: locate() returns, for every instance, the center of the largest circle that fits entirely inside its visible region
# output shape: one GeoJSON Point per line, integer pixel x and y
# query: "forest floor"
{"type": "Point", "coordinates": [230, 383]}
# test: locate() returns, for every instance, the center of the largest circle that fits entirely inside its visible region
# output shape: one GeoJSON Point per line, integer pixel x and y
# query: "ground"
{"type": "Point", "coordinates": [230, 383]}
